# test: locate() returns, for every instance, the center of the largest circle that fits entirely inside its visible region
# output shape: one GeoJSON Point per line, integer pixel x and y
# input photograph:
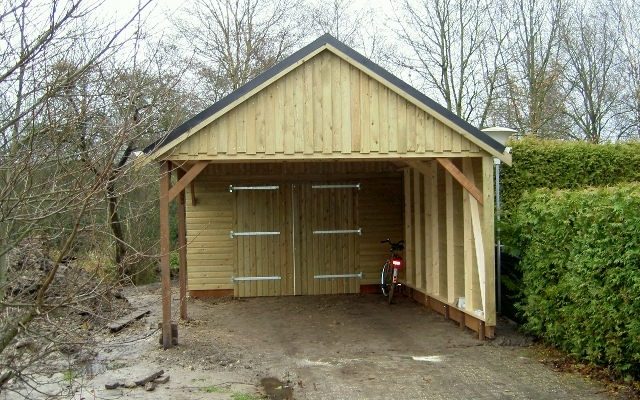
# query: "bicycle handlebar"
{"type": "Point", "coordinates": [395, 246]}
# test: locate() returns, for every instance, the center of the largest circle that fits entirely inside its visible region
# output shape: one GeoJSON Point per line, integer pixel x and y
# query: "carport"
{"type": "Point", "coordinates": [287, 185]}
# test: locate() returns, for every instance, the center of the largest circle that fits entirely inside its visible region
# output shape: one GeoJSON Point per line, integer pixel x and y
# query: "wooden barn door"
{"type": "Point", "coordinates": [327, 239]}
{"type": "Point", "coordinates": [262, 233]}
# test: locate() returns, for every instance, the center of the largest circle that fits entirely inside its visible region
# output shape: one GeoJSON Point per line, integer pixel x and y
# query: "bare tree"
{"type": "Point", "coordinates": [120, 104]}
{"type": "Point", "coordinates": [494, 66]}
{"type": "Point", "coordinates": [591, 44]}
{"type": "Point", "coordinates": [453, 50]}
{"type": "Point", "coordinates": [69, 116]}
{"type": "Point", "coordinates": [235, 40]}
{"type": "Point", "coordinates": [626, 17]}
{"type": "Point", "coordinates": [534, 73]}
{"type": "Point", "coordinates": [357, 27]}
{"type": "Point", "coordinates": [340, 19]}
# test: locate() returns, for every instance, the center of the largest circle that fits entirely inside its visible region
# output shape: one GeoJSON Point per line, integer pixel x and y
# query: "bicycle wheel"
{"type": "Point", "coordinates": [386, 278]}
{"type": "Point", "coordinates": [391, 290]}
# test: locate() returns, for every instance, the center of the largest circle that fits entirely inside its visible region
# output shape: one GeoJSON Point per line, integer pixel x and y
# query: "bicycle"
{"type": "Point", "coordinates": [389, 274]}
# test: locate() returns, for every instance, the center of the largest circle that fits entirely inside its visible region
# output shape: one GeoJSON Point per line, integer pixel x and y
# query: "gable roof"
{"type": "Point", "coordinates": [181, 132]}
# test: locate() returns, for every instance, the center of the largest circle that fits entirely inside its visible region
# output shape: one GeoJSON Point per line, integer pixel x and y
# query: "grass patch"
{"type": "Point", "coordinates": [214, 389]}
{"type": "Point", "coordinates": [244, 396]}
{"type": "Point", "coordinates": [69, 375]}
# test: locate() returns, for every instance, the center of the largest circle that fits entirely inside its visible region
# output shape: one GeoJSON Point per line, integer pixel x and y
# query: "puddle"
{"type": "Point", "coordinates": [309, 363]}
{"type": "Point", "coordinates": [433, 359]}
{"type": "Point", "coordinates": [275, 389]}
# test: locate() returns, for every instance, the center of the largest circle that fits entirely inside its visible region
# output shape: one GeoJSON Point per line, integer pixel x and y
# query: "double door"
{"type": "Point", "coordinates": [295, 239]}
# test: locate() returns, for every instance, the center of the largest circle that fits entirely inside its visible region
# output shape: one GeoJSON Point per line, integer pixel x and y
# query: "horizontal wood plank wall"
{"type": "Point", "coordinates": [211, 251]}
{"type": "Point", "coordinates": [324, 108]}
{"type": "Point", "coordinates": [380, 211]}
{"type": "Point", "coordinates": [440, 238]}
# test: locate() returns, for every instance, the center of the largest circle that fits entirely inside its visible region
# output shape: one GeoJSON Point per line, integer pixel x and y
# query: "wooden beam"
{"type": "Point", "coordinates": [182, 249]}
{"type": "Point", "coordinates": [165, 183]}
{"type": "Point", "coordinates": [462, 179]}
{"type": "Point", "coordinates": [187, 179]}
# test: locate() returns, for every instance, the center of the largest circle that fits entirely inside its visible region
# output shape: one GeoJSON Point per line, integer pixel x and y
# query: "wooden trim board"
{"type": "Point", "coordinates": [463, 319]}
{"type": "Point", "coordinates": [203, 294]}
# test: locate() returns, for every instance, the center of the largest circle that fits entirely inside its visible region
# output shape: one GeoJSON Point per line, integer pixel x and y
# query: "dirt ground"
{"type": "Point", "coordinates": [321, 347]}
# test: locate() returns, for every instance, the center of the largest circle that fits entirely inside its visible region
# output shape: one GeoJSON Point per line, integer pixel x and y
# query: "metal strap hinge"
{"type": "Point", "coordinates": [255, 278]}
{"type": "Point", "coordinates": [233, 234]}
{"type": "Point", "coordinates": [358, 275]}
{"type": "Point", "coordinates": [233, 188]}
{"type": "Point", "coordinates": [339, 231]}
{"type": "Point", "coordinates": [337, 186]}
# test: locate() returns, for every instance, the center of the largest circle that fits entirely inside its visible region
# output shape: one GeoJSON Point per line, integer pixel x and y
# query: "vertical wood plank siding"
{"type": "Point", "coordinates": [212, 253]}
{"type": "Point", "coordinates": [325, 106]}
{"type": "Point", "coordinates": [440, 243]}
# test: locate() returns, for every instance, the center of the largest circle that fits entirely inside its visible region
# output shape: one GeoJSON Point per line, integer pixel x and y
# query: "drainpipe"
{"type": "Point", "coordinates": [496, 163]}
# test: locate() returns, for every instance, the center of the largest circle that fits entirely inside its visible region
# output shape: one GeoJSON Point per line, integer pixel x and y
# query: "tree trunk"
{"type": "Point", "coordinates": [120, 249]}
{"type": "Point", "coordinates": [4, 264]}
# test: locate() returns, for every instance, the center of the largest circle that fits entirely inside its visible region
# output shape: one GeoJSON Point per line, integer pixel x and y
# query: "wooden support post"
{"type": "Point", "coordinates": [451, 267]}
{"type": "Point", "coordinates": [408, 227]}
{"type": "Point", "coordinates": [488, 235]}
{"type": "Point", "coordinates": [426, 230]}
{"type": "Point", "coordinates": [435, 231]}
{"type": "Point", "coordinates": [469, 273]}
{"type": "Point", "coordinates": [165, 183]}
{"type": "Point", "coordinates": [418, 260]}
{"type": "Point", "coordinates": [182, 249]}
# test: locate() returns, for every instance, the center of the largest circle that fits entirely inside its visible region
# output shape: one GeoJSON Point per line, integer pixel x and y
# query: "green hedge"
{"type": "Point", "coordinates": [563, 165]}
{"type": "Point", "coordinates": [581, 272]}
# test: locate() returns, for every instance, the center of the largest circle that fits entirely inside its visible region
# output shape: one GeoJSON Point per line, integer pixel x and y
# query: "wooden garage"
{"type": "Point", "coordinates": [287, 185]}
